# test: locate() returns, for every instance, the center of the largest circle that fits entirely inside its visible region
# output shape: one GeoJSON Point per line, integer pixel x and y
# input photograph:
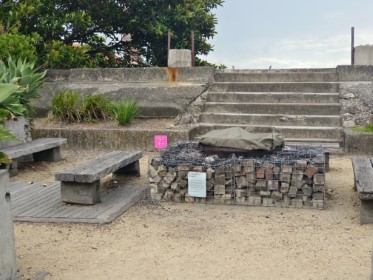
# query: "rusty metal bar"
{"type": "Point", "coordinates": [352, 45]}
{"type": "Point", "coordinates": [193, 49]}
{"type": "Point", "coordinates": [168, 44]}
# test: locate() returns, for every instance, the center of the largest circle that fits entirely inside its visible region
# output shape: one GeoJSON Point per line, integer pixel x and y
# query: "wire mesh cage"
{"type": "Point", "coordinates": [291, 177]}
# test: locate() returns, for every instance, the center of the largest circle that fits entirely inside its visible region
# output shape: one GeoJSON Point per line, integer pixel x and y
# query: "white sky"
{"type": "Point", "coordinates": [290, 33]}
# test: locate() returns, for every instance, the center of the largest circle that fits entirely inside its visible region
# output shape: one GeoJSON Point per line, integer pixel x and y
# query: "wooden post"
{"type": "Point", "coordinates": [352, 45]}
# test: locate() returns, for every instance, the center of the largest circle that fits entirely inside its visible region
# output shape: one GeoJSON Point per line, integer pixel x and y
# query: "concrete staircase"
{"type": "Point", "coordinates": [303, 106]}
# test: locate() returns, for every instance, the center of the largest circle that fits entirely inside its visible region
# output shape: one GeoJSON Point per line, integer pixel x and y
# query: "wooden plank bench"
{"type": "Point", "coordinates": [42, 149]}
{"type": "Point", "coordinates": [81, 184]}
{"type": "Point", "coordinates": [363, 183]}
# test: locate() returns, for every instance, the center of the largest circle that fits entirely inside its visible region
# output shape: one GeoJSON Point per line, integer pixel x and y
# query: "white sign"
{"type": "Point", "coordinates": [197, 184]}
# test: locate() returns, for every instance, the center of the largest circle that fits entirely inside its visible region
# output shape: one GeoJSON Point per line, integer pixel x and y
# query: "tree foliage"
{"type": "Point", "coordinates": [132, 29]}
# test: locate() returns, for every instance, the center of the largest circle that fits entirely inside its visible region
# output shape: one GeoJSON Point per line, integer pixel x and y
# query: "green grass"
{"type": "Point", "coordinates": [72, 106]}
{"type": "Point", "coordinates": [367, 128]}
{"type": "Point", "coordinates": [126, 111]}
{"type": "Point", "coordinates": [66, 106]}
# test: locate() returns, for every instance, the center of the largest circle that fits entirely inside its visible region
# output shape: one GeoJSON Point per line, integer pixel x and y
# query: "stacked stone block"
{"type": "Point", "coordinates": [299, 184]}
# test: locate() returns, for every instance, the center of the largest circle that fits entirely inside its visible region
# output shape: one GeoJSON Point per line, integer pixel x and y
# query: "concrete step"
{"type": "Point", "coordinates": [279, 108]}
{"type": "Point", "coordinates": [277, 77]}
{"type": "Point", "coordinates": [288, 132]}
{"type": "Point", "coordinates": [275, 87]}
{"type": "Point", "coordinates": [265, 119]}
{"type": "Point", "coordinates": [273, 97]}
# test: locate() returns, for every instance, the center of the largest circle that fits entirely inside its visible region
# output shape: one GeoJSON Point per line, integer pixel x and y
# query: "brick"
{"type": "Point", "coordinates": [310, 171]}
{"type": "Point", "coordinates": [220, 179]}
{"type": "Point", "coordinates": [307, 190]}
{"type": "Point", "coordinates": [248, 169]}
{"type": "Point", "coordinates": [260, 173]}
{"type": "Point", "coordinates": [240, 193]}
{"type": "Point", "coordinates": [198, 168]}
{"type": "Point", "coordinates": [209, 173]}
{"type": "Point", "coordinates": [298, 184]}
{"type": "Point", "coordinates": [189, 199]}
{"type": "Point", "coordinates": [265, 193]}
{"type": "Point", "coordinates": [318, 196]}
{"type": "Point", "coordinates": [286, 201]}
{"type": "Point", "coordinates": [300, 165]}
{"type": "Point", "coordinates": [250, 177]}
{"type": "Point", "coordinates": [293, 191]}
{"type": "Point", "coordinates": [219, 189]}
{"type": "Point", "coordinates": [272, 185]}
{"type": "Point", "coordinates": [249, 162]}
{"type": "Point", "coordinates": [319, 179]}
{"type": "Point", "coordinates": [297, 203]}
{"type": "Point", "coordinates": [284, 187]}
{"type": "Point", "coordinates": [285, 177]}
{"type": "Point", "coordinates": [318, 188]}
{"type": "Point", "coordinates": [237, 169]}
{"type": "Point", "coordinates": [287, 169]}
{"type": "Point", "coordinates": [268, 202]}
{"type": "Point", "coordinates": [261, 185]}
{"type": "Point", "coordinates": [241, 200]}
{"type": "Point", "coordinates": [276, 195]}
{"type": "Point", "coordinates": [241, 182]}
{"type": "Point", "coordinates": [269, 174]}
{"type": "Point", "coordinates": [318, 204]}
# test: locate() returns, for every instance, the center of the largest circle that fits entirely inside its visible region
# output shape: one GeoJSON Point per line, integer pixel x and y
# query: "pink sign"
{"type": "Point", "coordinates": [160, 142]}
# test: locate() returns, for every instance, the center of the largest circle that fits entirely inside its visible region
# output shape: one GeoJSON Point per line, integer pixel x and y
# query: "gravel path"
{"type": "Point", "coordinates": [191, 241]}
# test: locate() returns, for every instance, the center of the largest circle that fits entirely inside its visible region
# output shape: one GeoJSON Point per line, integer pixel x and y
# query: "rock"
{"type": "Point", "coordinates": [349, 124]}
{"type": "Point", "coordinates": [348, 96]}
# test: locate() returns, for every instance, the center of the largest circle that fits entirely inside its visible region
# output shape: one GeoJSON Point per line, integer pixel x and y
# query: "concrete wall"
{"type": "Point", "coordinates": [8, 264]}
{"type": "Point", "coordinates": [179, 58]}
{"type": "Point", "coordinates": [161, 92]}
{"type": "Point", "coordinates": [358, 142]}
{"type": "Point", "coordinates": [349, 73]}
{"type": "Point", "coordinates": [364, 55]}
{"type": "Point", "coordinates": [19, 128]}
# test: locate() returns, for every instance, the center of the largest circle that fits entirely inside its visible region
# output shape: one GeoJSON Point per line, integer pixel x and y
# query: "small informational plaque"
{"type": "Point", "coordinates": [160, 142]}
{"type": "Point", "coordinates": [197, 184]}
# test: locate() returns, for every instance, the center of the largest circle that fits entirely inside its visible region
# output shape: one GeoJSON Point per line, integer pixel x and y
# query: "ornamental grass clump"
{"type": "Point", "coordinates": [126, 111]}
{"type": "Point", "coordinates": [96, 107]}
{"type": "Point", "coordinates": [66, 106]}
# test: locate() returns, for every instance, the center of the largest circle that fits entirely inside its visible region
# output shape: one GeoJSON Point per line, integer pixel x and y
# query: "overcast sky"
{"type": "Point", "coordinates": [290, 33]}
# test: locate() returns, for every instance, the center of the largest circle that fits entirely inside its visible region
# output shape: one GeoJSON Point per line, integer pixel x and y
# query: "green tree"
{"type": "Point", "coordinates": [134, 29]}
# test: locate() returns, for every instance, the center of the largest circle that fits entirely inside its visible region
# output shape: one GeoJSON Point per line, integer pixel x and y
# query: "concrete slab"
{"type": "Point", "coordinates": [37, 203]}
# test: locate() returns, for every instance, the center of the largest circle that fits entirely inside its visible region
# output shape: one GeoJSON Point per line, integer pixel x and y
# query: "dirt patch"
{"type": "Point", "coordinates": [192, 241]}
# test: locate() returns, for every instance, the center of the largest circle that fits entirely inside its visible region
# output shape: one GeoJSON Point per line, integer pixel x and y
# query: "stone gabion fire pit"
{"type": "Point", "coordinates": [291, 177]}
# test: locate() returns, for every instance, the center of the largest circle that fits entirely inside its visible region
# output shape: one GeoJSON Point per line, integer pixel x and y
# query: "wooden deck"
{"type": "Point", "coordinates": [38, 203]}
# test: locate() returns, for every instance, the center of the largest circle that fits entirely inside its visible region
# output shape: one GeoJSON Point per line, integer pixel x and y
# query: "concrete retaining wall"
{"type": "Point", "coordinates": [349, 73]}
{"type": "Point", "coordinates": [111, 139]}
{"type": "Point", "coordinates": [358, 142]}
{"type": "Point", "coordinates": [161, 92]}
{"type": "Point", "coordinates": [8, 264]}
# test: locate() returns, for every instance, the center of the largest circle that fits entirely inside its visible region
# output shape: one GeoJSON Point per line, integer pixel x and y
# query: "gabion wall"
{"type": "Point", "coordinates": [292, 177]}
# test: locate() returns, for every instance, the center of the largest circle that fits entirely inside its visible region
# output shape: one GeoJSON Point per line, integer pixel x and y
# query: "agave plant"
{"type": "Point", "coordinates": [28, 80]}
{"type": "Point", "coordinates": [9, 105]}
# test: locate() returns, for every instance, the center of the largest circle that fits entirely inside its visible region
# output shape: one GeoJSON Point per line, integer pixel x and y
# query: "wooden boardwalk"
{"type": "Point", "coordinates": [38, 203]}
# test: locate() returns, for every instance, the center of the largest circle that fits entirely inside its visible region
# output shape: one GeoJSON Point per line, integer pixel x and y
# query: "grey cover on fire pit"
{"type": "Point", "coordinates": [238, 138]}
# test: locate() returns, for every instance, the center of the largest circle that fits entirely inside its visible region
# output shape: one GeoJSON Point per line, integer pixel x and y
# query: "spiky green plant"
{"type": "Point", "coordinates": [66, 106]}
{"type": "Point", "coordinates": [28, 80]}
{"type": "Point", "coordinates": [96, 107]}
{"type": "Point", "coordinates": [126, 111]}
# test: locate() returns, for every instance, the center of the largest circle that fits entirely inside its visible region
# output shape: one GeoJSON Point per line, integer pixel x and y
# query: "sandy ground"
{"type": "Point", "coordinates": [193, 241]}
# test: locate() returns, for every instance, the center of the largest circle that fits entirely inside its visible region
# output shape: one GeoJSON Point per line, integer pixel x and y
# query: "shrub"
{"type": "Point", "coordinates": [126, 111]}
{"type": "Point", "coordinates": [66, 106]}
{"type": "Point", "coordinates": [71, 106]}
{"type": "Point", "coordinates": [17, 45]}
{"type": "Point", "coordinates": [96, 107]}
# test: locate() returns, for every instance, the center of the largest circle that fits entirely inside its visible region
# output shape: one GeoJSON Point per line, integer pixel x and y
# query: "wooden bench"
{"type": "Point", "coordinates": [363, 177]}
{"type": "Point", "coordinates": [42, 149]}
{"type": "Point", "coordinates": [81, 184]}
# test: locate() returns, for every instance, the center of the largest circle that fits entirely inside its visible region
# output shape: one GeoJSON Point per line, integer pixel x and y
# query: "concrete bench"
{"type": "Point", "coordinates": [363, 177]}
{"type": "Point", "coordinates": [81, 184]}
{"type": "Point", "coordinates": [42, 149]}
